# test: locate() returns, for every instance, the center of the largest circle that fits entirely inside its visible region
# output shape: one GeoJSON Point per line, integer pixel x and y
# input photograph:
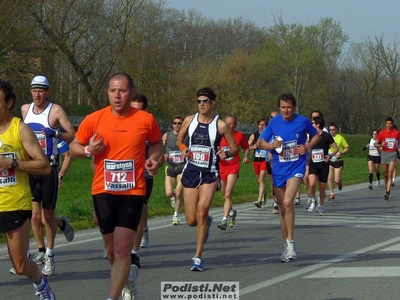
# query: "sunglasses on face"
{"type": "Point", "coordinates": [332, 129]}
{"type": "Point", "coordinates": [203, 101]}
{"type": "Point", "coordinates": [177, 123]}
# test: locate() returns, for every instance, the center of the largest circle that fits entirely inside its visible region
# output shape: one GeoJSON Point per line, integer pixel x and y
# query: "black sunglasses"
{"type": "Point", "coordinates": [203, 101]}
{"type": "Point", "coordinates": [177, 123]}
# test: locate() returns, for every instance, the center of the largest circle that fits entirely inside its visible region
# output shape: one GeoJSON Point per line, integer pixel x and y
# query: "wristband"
{"type": "Point", "coordinates": [182, 147]}
{"type": "Point", "coordinates": [87, 152]}
{"type": "Point", "coordinates": [227, 153]}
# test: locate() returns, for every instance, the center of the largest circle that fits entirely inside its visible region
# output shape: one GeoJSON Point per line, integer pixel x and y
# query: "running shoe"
{"type": "Point", "coordinates": [13, 271]}
{"type": "Point", "coordinates": [135, 260]}
{"type": "Point", "coordinates": [45, 293]}
{"type": "Point", "coordinates": [312, 206]}
{"type": "Point", "coordinates": [275, 209]}
{"type": "Point", "coordinates": [290, 251]}
{"type": "Point", "coordinates": [223, 224]}
{"type": "Point", "coordinates": [39, 258]}
{"type": "Point", "coordinates": [386, 196]}
{"type": "Point", "coordinates": [297, 201]}
{"type": "Point", "coordinates": [308, 203]}
{"type": "Point", "coordinates": [339, 186]}
{"type": "Point", "coordinates": [210, 220]}
{"type": "Point", "coordinates": [172, 201]}
{"type": "Point", "coordinates": [264, 198]}
{"type": "Point", "coordinates": [378, 183]}
{"type": "Point", "coordinates": [321, 210]}
{"type": "Point", "coordinates": [175, 220]}
{"type": "Point", "coordinates": [145, 238]}
{"type": "Point", "coordinates": [49, 267]}
{"type": "Point", "coordinates": [284, 253]}
{"type": "Point", "coordinates": [258, 203]}
{"type": "Point", "coordinates": [232, 218]}
{"type": "Point", "coordinates": [68, 230]}
{"type": "Point", "coordinates": [129, 292]}
{"type": "Point", "coordinates": [197, 264]}
{"type": "Point", "coordinates": [105, 253]}
{"type": "Point", "coordinates": [332, 197]}
{"type": "Point", "coordinates": [370, 186]}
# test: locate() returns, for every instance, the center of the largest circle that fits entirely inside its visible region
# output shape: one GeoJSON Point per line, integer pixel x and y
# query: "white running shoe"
{"type": "Point", "coordinates": [12, 271]}
{"type": "Point", "coordinates": [175, 220]}
{"type": "Point", "coordinates": [145, 238]}
{"type": "Point", "coordinates": [68, 230]}
{"type": "Point", "coordinates": [284, 253]}
{"type": "Point", "coordinates": [129, 292]}
{"type": "Point", "coordinates": [45, 293]}
{"type": "Point", "coordinates": [49, 267]}
{"type": "Point", "coordinates": [312, 206]}
{"type": "Point", "coordinates": [39, 258]}
{"type": "Point", "coordinates": [290, 250]}
{"type": "Point", "coordinates": [378, 183]}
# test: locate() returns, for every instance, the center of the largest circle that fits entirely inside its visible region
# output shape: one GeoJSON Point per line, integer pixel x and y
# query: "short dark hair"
{"type": "Point", "coordinates": [262, 119]}
{"type": "Point", "coordinates": [142, 99]}
{"type": "Point", "coordinates": [319, 113]}
{"type": "Point", "coordinates": [333, 124]}
{"type": "Point", "coordinates": [209, 92]}
{"type": "Point", "coordinates": [287, 97]}
{"type": "Point", "coordinates": [8, 91]}
{"type": "Point", "coordinates": [319, 121]}
{"type": "Point", "coordinates": [389, 119]}
{"type": "Point", "coordinates": [127, 76]}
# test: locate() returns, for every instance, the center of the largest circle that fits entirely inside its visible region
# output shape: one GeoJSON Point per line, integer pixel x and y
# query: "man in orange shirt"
{"type": "Point", "coordinates": [115, 136]}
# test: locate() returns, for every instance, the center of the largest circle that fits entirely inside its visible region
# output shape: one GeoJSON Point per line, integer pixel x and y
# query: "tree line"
{"type": "Point", "coordinates": [79, 44]}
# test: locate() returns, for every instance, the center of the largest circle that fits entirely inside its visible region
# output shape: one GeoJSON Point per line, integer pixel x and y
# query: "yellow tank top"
{"type": "Point", "coordinates": [15, 192]}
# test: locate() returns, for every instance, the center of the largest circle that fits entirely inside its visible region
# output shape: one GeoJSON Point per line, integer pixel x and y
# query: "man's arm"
{"type": "Point", "coordinates": [65, 123]}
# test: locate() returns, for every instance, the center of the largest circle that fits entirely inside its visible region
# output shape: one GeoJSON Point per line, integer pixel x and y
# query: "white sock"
{"type": "Point", "coordinates": [175, 214]}
{"type": "Point", "coordinates": [49, 252]}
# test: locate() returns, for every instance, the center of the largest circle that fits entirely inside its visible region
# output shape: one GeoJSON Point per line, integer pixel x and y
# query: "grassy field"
{"type": "Point", "coordinates": [75, 201]}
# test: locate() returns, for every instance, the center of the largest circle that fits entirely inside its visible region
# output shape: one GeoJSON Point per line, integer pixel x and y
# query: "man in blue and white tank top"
{"type": "Point", "coordinates": [46, 120]}
{"type": "Point", "coordinates": [200, 178]}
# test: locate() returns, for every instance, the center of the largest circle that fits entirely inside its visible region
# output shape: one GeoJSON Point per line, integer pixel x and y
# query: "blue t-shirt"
{"type": "Point", "coordinates": [293, 133]}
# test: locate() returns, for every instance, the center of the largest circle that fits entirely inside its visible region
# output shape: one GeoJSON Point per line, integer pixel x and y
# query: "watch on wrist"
{"type": "Point", "coordinates": [14, 163]}
{"type": "Point", "coordinates": [87, 152]}
{"type": "Point", "coordinates": [61, 177]}
{"type": "Point", "coordinates": [58, 133]}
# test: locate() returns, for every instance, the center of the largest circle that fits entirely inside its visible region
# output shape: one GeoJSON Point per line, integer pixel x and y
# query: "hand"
{"type": "Point", "coordinates": [151, 166]}
{"type": "Point", "coordinates": [365, 148]}
{"type": "Point", "coordinates": [96, 146]}
{"type": "Point", "coordinates": [48, 132]}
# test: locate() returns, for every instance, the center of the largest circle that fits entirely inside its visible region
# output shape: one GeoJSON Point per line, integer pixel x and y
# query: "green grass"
{"type": "Point", "coordinates": [75, 201]}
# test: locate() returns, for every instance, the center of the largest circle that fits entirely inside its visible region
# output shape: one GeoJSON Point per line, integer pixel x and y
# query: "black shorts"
{"type": "Point", "coordinates": [320, 169]}
{"type": "Point", "coordinates": [44, 188]}
{"type": "Point", "coordinates": [11, 220]}
{"type": "Point", "coordinates": [117, 211]}
{"type": "Point", "coordinates": [149, 189]}
{"type": "Point", "coordinates": [374, 159]}
{"type": "Point", "coordinates": [337, 164]}
{"type": "Point", "coordinates": [174, 170]}
{"type": "Point", "coordinates": [193, 179]}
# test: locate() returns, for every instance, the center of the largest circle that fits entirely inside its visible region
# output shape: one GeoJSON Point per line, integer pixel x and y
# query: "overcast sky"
{"type": "Point", "coordinates": [359, 19]}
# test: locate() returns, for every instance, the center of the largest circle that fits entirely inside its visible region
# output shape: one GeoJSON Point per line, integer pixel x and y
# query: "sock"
{"type": "Point", "coordinates": [378, 176]}
{"type": "Point", "coordinates": [134, 252]}
{"type": "Point", "coordinates": [370, 178]}
{"type": "Point", "coordinates": [50, 252]}
{"type": "Point", "coordinates": [40, 285]}
{"type": "Point", "coordinates": [175, 214]}
{"type": "Point", "coordinates": [133, 257]}
{"type": "Point", "coordinates": [43, 249]}
{"type": "Point", "coordinates": [224, 218]}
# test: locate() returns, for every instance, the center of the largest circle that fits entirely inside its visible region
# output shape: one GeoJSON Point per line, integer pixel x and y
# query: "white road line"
{"type": "Point", "coordinates": [315, 267]}
{"type": "Point", "coordinates": [357, 272]}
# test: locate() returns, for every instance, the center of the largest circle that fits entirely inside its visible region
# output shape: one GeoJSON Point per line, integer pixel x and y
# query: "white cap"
{"type": "Point", "coordinates": [40, 82]}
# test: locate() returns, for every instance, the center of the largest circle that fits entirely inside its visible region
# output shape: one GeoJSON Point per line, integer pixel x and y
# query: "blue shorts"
{"type": "Point", "coordinates": [280, 180]}
{"type": "Point", "coordinates": [193, 179]}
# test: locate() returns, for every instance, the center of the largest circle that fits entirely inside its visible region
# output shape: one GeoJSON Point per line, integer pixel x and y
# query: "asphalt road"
{"type": "Point", "coordinates": [350, 253]}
